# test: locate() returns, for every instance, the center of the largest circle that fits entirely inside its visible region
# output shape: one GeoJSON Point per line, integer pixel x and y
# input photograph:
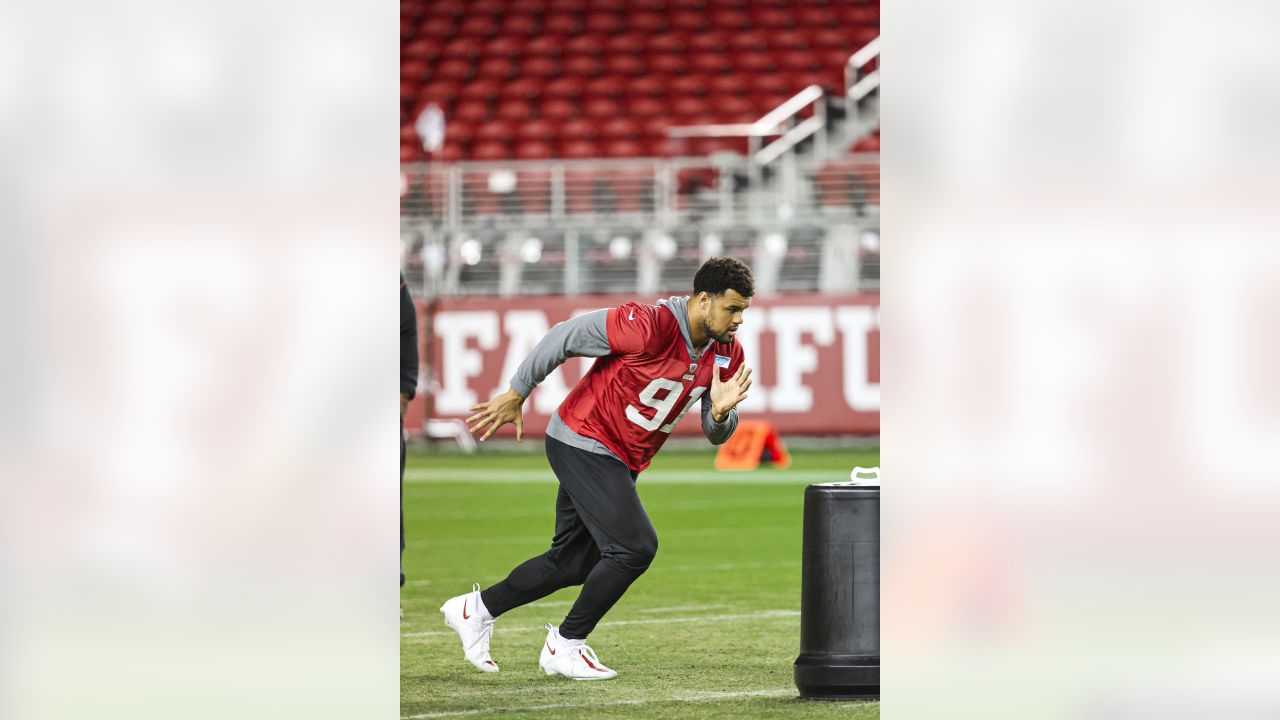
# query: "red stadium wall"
{"type": "Point", "coordinates": [815, 359]}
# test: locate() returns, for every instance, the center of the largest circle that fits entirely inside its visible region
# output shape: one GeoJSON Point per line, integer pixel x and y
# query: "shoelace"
{"type": "Point", "coordinates": [485, 634]}
{"type": "Point", "coordinates": [586, 650]}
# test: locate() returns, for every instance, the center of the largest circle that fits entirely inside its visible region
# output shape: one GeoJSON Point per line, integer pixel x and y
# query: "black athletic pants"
{"type": "Point", "coordinates": [603, 541]}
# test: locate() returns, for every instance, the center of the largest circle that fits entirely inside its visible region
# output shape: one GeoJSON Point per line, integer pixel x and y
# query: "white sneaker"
{"type": "Point", "coordinates": [463, 614]}
{"type": "Point", "coordinates": [571, 658]}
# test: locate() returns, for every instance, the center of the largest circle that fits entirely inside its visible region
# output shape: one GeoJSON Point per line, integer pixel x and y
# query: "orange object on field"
{"type": "Point", "coordinates": [753, 442]}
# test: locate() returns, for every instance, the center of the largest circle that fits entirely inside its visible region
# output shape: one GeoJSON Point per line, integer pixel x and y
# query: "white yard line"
{"type": "Point", "coordinates": [504, 477]}
{"type": "Point", "coordinates": [764, 614]}
{"type": "Point", "coordinates": [701, 697]}
{"type": "Point", "coordinates": [678, 608]}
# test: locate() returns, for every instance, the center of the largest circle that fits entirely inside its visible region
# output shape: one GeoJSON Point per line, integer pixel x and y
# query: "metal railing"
{"type": "Point", "coordinates": [860, 84]}
{"type": "Point", "coordinates": [649, 192]}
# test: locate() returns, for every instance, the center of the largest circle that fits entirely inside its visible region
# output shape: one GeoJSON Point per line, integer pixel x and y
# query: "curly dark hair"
{"type": "Point", "coordinates": [724, 273]}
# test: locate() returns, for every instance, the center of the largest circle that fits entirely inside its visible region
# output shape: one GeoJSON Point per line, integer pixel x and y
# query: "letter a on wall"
{"type": "Point", "coordinates": [755, 441]}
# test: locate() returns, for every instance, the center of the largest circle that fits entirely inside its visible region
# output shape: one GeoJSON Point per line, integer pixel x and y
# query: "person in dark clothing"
{"type": "Point", "coordinates": [408, 386]}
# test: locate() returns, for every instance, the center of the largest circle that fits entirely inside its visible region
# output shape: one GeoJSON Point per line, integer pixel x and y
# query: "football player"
{"type": "Point", "coordinates": [655, 362]}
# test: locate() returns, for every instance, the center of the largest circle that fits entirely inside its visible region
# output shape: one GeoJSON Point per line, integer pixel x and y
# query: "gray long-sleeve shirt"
{"type": "Point", "coordinates": [586, 336]}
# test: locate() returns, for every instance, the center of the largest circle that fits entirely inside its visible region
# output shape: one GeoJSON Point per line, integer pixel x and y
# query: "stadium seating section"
{"type": "Point", "coordinates": [534, 79]}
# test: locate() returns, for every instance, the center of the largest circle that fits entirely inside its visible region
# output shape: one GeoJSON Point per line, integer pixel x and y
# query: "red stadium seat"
{"type": "Point", "coordinates": [817, 17]}
{"type": "Point", "coordinates": [562, 24]}
{"type": "Point", "coordinates": [668, 43]}
{"type": "Point", "coordinates": [520, 25]}
{"type": "Point", "coordinates": [867, 143]}
{"type": "Point", "coordinates": [749, 41]}
{"type": "Point", "coordinates": [583, 65]}
{"type": "Point", "coordinates": [623, 149]}
{"type": "Point", "coordinates": [799, 61]}
{"type": "Point", "coordinates": [531, 7]}
{"type": "Point", "coordinates": [563, 87]}
{"type": "Point", "coordinates": [579, 149]}
{"type": "Point", "coordinates": [456, 69]}
{"type": "Point", "coordinates": [498, 67]}
{"type": "Point", "coordinates": [490, 151]}
{"type": "Point", "coordinates": [620, 127]}
{"type": "Point", "coordinates": [418, 49]}
{"type": "Point", "coordinates": [534, 151]}
{"type": "Point", "coordinates": [695, 85]}
{"type": "Point", "coordinates": [579, 129]}
{"type": "Point", "coordinates": [728, 85]}
{"type": "Point", "coordinates": [626, 44]}
{"type": "Point", "coordinates": [775, 18]}
{"type": "Point", "coordinates": [730, 19]}
{"type": "Point", "coordinates": [710, 63]}
{"type": "Point", "coordinates": [644, 107]}
{"type": "Point", "coordinates": [831, 38]}
{"type": "Point", "coordinates": [478, 25]}
{"type": "Point", "coordinates": [616, 65]}
{"type": "Point", "coordinates": [689, 21]}
{"type": "Point", "coordinates": [464, 48]}
{"type": "Point", "coordinates": [688, 107]}
{"type": "Point", "coordinates": [525, 88]}
{"type": "Point", "coordinates": [668, 64]}
{"type": "Point", "coordinates": [494, 131]}
{"type": "Point", "coordinates": [656, 127]}
{"type": "Point", "coordinates": [559, 109]}
{"type": "Point", "coordinates": [550, 45]}
{"type": "Point", "coordinates": [539, 67]}
{"type": "Point", "coordinates": [601, 108]}
{"type": "Point", "coordinates": [536, 129]}
{"type": "Point", "coordinates": [648, 23]}
{"type": "Point", "coordinates": [451, 152]}
{"type": "Point", "coordinates": [459, 131]}
{"type": "Point", "coordinates": [504, 46]}
{"type": "Point", "coordinates": [646, 86]}
{"type": "Point", "coordinates": [604, 22]}
{"type": "Point", "coordinates": [515, 110]}
{"type": "Point", "coordinates": [585, 44]}
{"type": "Point", "coordinates": [413, 69]}
{"type": "Point", "coordinates": [603, 86]}
{"type": "Point", "coordinates": [734, 109]}
{"type": "Point", "coordinates": [709, 42]}
{"type": "Point", "coordinates": [474, 111]}
{"type": "Point", "coordinates": [755, 63]}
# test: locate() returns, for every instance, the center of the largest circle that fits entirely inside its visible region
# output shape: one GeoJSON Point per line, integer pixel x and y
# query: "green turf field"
{"type": "Point", "coordinates": [711, 630]}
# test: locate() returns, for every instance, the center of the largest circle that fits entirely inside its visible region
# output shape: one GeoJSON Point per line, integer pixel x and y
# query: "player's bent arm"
{"type": "Point", "coordinates": [582, 336]}
{"type": "Point", "coordinates": [717, 432]}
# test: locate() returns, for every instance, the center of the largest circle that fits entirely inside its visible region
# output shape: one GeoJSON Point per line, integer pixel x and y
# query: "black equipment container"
{"type": "Point", "coordinates": [840, 602]}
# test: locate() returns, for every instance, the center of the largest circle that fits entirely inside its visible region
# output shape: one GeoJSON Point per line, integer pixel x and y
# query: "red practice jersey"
{"type": "Point", "coordinates": [634, 397]}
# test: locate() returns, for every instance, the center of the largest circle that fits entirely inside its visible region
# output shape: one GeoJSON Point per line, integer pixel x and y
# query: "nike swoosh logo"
{"type": "Point", "coordinates": [632, 316]}
{"type": "Point", "coordinates": [464, 610]}
{"type": "Point", "coordinates": [550, 649]}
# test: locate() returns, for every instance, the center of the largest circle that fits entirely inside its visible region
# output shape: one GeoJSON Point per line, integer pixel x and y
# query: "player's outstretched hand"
{"type": "Point", "coordinates": [725, 395]}
{"type": "Point", "coordinates": [503, 409]}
